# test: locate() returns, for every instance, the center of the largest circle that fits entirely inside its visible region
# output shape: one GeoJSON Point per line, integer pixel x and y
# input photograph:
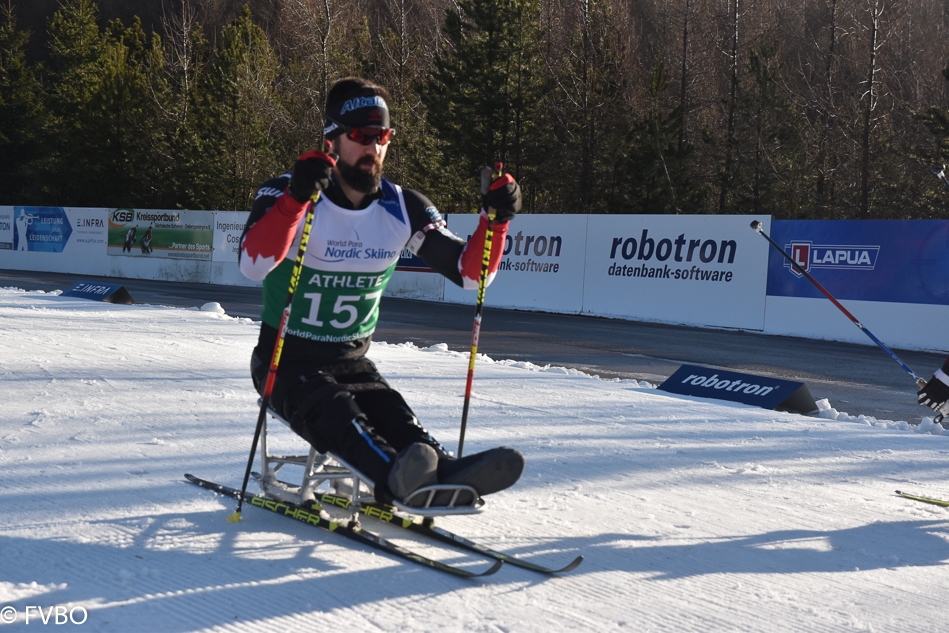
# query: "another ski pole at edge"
{"type": "Point", "coordinates": [920, 382]}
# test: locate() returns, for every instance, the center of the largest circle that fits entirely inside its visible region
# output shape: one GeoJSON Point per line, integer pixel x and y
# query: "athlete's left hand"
{"type": "Point", "coordinates": [504, 196]}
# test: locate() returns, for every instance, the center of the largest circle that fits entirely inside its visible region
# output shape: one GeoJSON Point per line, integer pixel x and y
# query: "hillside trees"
{"type": "Point", "coordinates": [483, 94]}
{"type": "Point", "coordinates": [798, 109]}
{"type": "Point", "coordinates": [22, 115]}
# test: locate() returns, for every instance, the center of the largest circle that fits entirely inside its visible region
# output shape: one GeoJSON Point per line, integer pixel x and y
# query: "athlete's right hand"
{"type": "Point", "coordinates": [935, 394]}
{"type": "Point", "coordinates": [311, 174]}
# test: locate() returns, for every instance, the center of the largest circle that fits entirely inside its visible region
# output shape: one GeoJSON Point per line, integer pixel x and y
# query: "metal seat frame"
{"type": "Point", "coordinates": [320, 468]}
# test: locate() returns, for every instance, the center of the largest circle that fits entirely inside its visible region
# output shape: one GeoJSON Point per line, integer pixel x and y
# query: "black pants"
{"type": "Point", "coordinates": [349, 410]}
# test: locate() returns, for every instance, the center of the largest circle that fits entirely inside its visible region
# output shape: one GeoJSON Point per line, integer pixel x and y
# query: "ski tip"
{"type": "Point", "coordinates": [235, 517]}
{"type": "Point", "coordinates": [573, 565]}
{"type": "Point", "coordinates": [493, 570]}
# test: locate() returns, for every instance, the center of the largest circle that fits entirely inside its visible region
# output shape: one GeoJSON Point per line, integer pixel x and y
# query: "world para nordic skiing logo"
{"type": "Point", "coordinates": [808, 255]}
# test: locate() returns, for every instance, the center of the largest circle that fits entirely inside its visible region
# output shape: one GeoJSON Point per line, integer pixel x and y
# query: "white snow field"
{"type": "Point", "coordinates": [693, 515]}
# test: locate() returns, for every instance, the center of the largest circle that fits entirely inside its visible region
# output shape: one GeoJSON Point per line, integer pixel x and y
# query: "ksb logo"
{"type": "Point", "coordinates": [122, 216]}
{"type": "Point", "coordinates": [808, 255]}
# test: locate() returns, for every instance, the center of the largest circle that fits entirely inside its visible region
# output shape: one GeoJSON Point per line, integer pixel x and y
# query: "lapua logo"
{"type": "Point", "coordinates": [808, 255]}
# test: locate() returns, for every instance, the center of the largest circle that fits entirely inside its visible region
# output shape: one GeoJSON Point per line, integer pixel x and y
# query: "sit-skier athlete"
{"type": "Point", "coordinates": [332, 394]}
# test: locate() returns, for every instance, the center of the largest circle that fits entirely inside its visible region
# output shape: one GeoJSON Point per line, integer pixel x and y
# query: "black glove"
{"type": "Point", "coordinates": [311, 174]}
{"type": "Point", "coordinates": [503, 195]}
{"type": "Point", "coordinates": [935, 394]}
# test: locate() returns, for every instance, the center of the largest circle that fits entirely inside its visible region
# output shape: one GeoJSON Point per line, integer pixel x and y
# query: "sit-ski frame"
{"type": "Point", "coordinates": [348, 481]}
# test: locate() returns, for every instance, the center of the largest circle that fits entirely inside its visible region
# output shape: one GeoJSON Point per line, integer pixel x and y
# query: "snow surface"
{"type": "Point", "coordinates": [693, 515]}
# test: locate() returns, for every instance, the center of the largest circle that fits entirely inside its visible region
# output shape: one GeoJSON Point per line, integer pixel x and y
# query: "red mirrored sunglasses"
{"type": "Point", "coordinates": [368, 135]}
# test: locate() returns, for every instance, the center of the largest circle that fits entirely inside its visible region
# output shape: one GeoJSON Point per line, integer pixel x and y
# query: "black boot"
{"type": "Point", "coordinates": [487, 472]}
{"type": "Point", "coordinates": [414, 468]}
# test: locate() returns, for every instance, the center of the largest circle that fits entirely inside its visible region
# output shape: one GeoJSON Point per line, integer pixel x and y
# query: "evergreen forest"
{"type": "Point", "coordinates": [801, 109]}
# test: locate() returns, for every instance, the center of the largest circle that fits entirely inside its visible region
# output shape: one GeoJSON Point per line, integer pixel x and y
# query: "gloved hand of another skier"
{"type": "Point", "coordinates": [935, 394]}
{"type": "Point", "coordinates": [311, 174]}
{"type": "Point", "coordinates": [504, 196]}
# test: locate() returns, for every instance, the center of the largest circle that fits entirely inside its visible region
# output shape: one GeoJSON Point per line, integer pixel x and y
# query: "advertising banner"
{"type": "Point", "coordinates": [6, 228]}
{"type": "Point", "coordinates": [225, 269]}
{"type": "Point", "coordinates": [691, 269]}
{"type": "Point", "coordinates": [896, 261]}
{"type": "Point", "coordinates": [760, 391]}
{"type": "Point", "coordinates": [98, 291]}
{"type": "Point", "coordinates": [56, 239]}
{"type": "Point", "coordinates": [542, 268]}
{"type": "Point", "coordinates": [40, 229]}
{"type": "Point", "coordinates": [161, 234]}
{"type": "Point", "coordinates": [89, 231]}
{"type": "Point", "coordinates": [228, 228]}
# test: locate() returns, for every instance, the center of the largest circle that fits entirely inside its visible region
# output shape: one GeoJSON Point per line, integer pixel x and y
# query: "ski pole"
{"type": "Point", "coordinates": [486, 178]}
{"type": "Point", "coordinates": [920, 382]}
{"type": "Point", "coordinates": [277, 351]}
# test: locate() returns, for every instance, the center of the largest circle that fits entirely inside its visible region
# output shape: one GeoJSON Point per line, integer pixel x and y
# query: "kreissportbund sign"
{"type": "Point", "coordinates": [760, 391]}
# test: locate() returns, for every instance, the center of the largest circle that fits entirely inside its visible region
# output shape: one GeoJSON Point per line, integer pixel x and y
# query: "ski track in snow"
{"type": "Point", "coordinates": [693, 515]}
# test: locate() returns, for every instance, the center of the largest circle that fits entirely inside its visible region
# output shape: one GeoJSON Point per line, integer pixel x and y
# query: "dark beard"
{"type": "Point", "coordinates": [359, 179]}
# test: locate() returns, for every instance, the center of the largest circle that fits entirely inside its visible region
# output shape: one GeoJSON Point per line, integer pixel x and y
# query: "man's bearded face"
{"type": "Point", "coordinates": [365, 176]}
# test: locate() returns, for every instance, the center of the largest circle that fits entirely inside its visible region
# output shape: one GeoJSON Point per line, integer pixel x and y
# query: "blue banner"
{"type": "Point", "coordinates": [897, 261]}
{"type": "Point", "coordinates": [760, 391]}
{"type": "Point", "coordinates": [99, 291]}
{"type": "Point", "coordinates": [40, 229]}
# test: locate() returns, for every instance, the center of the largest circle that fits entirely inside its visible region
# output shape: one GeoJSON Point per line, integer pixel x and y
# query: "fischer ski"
{"type": "Point", "coordinates": [935, 502]}
{"type": "Point", "coordinates": [427, 528]}
{"type": "Point", "coordinates": [349, 529]}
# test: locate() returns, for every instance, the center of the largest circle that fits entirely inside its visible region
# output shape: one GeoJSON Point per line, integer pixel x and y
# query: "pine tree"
{"type": "Point", "coordinates": [768, 166]}
{"type": "Point", "coordinates": [587, 106]}
{"type": "Point", "coordinates": [652, 174]}
{"type": "Point", "coordinates": [122, 118]}
{"type": "Point", "coordinates": [22, 116]}
{"type": "Point", "coordinates": [483, 93]}
{"type": "Point", "coordinates": [178, 77]}
{"type": "Point", "coordinates": [243, 105]}
{"type": "Point", "coordinates": [75, 76]}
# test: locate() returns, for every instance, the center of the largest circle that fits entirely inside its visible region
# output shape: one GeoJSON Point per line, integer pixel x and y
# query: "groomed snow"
{"type": "Point", "coordinates": [692, 515]}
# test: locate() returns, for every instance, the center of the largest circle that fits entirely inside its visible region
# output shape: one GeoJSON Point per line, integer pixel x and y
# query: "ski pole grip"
{"type": "Point", "coordinates": [485, 180]}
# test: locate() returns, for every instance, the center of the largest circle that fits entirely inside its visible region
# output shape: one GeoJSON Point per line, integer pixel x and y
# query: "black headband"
{"type": "Point", "coordinates": [360, 108]}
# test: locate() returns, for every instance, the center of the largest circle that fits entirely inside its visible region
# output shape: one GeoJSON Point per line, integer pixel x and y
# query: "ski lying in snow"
{"type": "Point", "coordinates": [428, 529]}
{"type": "Point", "coordinates": [935, 502]}
{"type": "Point", "coordinates": [349, 529]}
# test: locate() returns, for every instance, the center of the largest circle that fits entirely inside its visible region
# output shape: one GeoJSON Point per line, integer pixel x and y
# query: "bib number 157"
{"type": "Point", "coordinates": [345, 311]}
